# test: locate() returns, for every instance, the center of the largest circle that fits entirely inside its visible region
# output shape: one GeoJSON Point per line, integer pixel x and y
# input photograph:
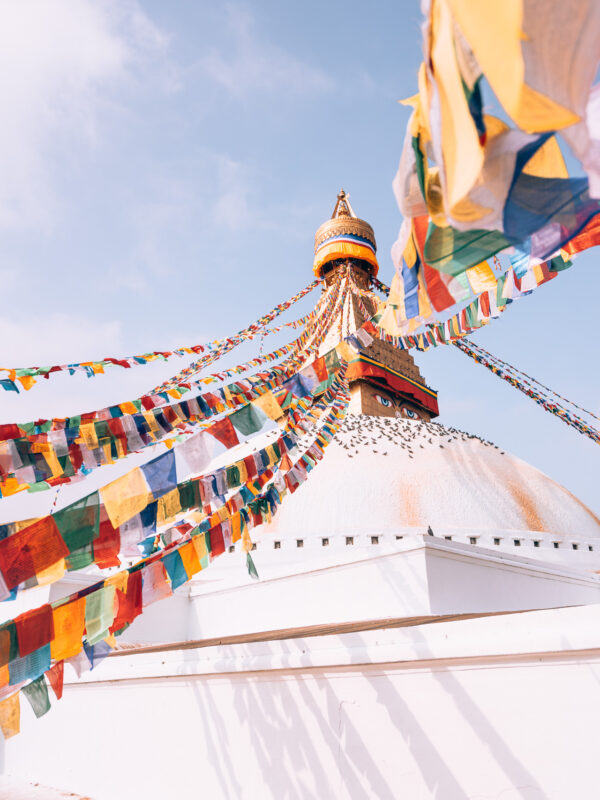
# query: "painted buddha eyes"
{"type": "Point", "coordinates": [401, 411]}
{"type": "Point", "coordinates": [385, 401]}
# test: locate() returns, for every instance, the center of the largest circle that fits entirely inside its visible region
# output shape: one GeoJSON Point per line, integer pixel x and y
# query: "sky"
{"type": "Point", "coordinates": [163, 169]}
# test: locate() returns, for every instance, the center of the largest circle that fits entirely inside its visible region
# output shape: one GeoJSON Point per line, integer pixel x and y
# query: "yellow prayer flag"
{"type": "Point", "coordinates": [344, 351]}
{"type": "Point", "coordinates": [199, 543]}
{"type": "Point", "coordinates": [126, 497]}
{"type": "Point", "coordinates": [462, 151]}
{"type": "Point", "coordinates": [87, 434]}
{"type": "Point", "coordinates": [128, 408]}
{"type": "Point", "coordinates": [494, 32]}
{"type": "Point", "coordinates": [268, 405]}
{"type": "Point", "coordinates": [25, 523]}
{"type": "Point", "coordinates": [246, 541]}
{"type": "Point", "coordinates": [10, 715]}
{"type": "Point", "coordinates": [538, 273]}
{"type": "Point", "coordinates": [169, 506]}
{"type": "Point", "coordinates": [11, 486]}
{"type": "Point", "coordinates": [152, 423]}
{"type": "Point", "coordinates": [481, 278]}
{"type": "Point", "coordinates": [51, 574]}
{"type": "Point", "coordinates": [118, 580]}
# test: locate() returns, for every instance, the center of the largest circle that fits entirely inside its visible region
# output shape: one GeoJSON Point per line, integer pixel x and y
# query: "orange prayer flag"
{"type": "Point", "coordinates": [69, 624]}
{"type": "Point", "coordinates": [190, 559]}
{"type": "Point", "coordinates": [26, 381]}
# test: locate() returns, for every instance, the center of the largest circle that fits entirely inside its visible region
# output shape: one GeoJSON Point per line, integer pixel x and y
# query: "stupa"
{"type": "Point", "coordinates": [426, 603]}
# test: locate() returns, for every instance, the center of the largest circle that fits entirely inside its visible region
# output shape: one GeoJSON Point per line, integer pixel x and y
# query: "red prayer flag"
{"type": "Point", "coordinates": [34, 629]}
{"type": "Point", "coordinates": [589, 237]}
{"type": "Point", "coordinates": [56, 676]}
{"type": "Point", "coordinates": [320, 368]}
{"type": "Point", "coordinates": [9, 431]}
{"type": "Point", "coordinates": [484, 302]}
{"type": "Point", "coordinates": [129, 603]}
{"type": "Point", "coordinates": [107, 544]}
{"type": "Point", "coordinates": [31, 550]}
{"type": "Point", "coordinates": [217, 544]}
{"type": "Point", "coordinates": [224, 431]}
{"type": "Point", "coordinates": [250, 463]}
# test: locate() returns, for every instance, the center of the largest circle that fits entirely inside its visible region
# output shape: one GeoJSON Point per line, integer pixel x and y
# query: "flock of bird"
{"type": "Point", "coordinates": [360, 431]}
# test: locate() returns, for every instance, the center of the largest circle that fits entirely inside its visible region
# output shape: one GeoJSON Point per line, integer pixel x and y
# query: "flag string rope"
{"type": "Point", "coordinates": [26, 376]}
{"type": "Point", "coordinates": [503, 370]}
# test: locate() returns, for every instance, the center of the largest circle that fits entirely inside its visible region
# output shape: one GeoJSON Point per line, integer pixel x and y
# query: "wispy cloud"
{"type": "Point", "coordinates": [58, 338]}
{"type": "Point", "coordinates": [248, 62]}
{"type": "Point", "coordinates": [230, 208]}
{"type": "Point", "coordinates": [58, 61]}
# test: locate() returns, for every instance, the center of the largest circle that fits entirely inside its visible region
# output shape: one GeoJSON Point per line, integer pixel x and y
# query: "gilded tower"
{"type": "Point", "coordinates": [384, 380]}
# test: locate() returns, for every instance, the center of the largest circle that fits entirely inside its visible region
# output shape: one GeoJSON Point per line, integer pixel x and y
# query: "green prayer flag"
{"type": "Point", "coordinates": [248, 419]}
{"type": "Point", "coordinates": [332, 360]}
{"type": "Point", "coordinates": [233, 477]}
{"type": "Point", "coordinates": [79, 559]}
{"type": "Point", "coordinates": [99, 613]}
{"type": "Point", "coordinates": [252, 571]}
{"type": "Point", "coordinates": [37, 694]}
{"type": "Point", "coordinates": [79, 523]}
{"type": "Point", "coordinates": [558, 264]}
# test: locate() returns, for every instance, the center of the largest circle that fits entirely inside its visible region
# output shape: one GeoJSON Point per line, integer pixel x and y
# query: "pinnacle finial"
{"type": "Point", "coordinates": [342, 206]}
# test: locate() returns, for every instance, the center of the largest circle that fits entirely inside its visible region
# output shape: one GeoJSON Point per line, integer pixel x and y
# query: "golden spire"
{"type": "Point", "coordinates": [345, 236]}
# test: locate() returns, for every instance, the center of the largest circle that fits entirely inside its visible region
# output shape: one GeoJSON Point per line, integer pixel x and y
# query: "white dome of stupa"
{"type": "Point", "coordinates": [382, 475]}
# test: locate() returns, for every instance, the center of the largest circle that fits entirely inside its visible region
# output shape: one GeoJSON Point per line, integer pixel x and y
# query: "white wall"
{"type": "Point", "coordinates": [503, 707]}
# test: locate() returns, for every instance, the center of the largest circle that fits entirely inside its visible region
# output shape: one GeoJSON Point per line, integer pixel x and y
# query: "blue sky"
{"type": "Point", "coordinates": [163, 168]}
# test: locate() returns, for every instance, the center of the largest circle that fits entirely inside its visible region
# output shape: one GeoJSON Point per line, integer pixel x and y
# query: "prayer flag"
{"type": "Point", "coordinates": [56, 676]}
{"type": "Point", "coordinates": [69, 623]}
{"type": "Point", "coordinates": [248, 419]}
{"type": "Point", "coordinates": [37, 694]}
{"type": "Point", "coordinates": [34, 629]}
{"type": "Point", "coordinates": [10, 715]}
{"type": "Point", "coordinates": [79, 523]}
{"type": "Point", "coordinates": [30, 666]}
{"type": "Point", "coordinates": [129, 602]}
{"type": "Point", "coordinates": [161, 475]}
{"type": "Point", "coordinates": [99, 613]}
{"type": "Point", "coordinates": [31, 550]}
{"type": "Point", "coordinates": [155, 585]}
{"type": "Point", "coordinates": [125, 497]}
{"type": "Point", "coordinates": [174, 565]}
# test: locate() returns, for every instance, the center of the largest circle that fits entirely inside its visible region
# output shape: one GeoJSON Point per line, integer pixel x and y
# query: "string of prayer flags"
{"type": "Point", "coordinates": [48, 452]}
{"type": "Point", "coordinates": [228, 344]}
{"type": "Point", "coordinates": [26, 376]}
{"type": "Point", "coordinates": [124, 513]}
{"type": "Point", "coordinates": [531, 388]}
{"type": "Point", "coordinates": [112, 604]}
